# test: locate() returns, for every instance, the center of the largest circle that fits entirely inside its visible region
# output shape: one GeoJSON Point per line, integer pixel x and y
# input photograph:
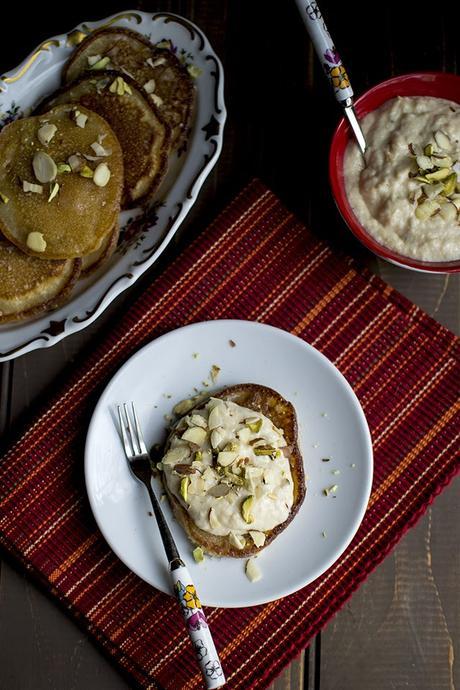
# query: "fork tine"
{"type": "Point", "coordinates": [126, 443]}
{"type": "Point", "coordinates": [134, 439]}
{"type": "Point", "coordinates": [140, 438]}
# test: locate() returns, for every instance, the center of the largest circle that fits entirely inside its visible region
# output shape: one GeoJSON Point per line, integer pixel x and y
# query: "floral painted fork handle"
{"type": "Point", "coordinates": [331, 62]}
{"type": "Point", "coordinates": [196, 624]}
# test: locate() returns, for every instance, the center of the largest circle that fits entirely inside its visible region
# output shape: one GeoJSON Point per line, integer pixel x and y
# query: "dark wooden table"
{"type": "Point", "coordinates": [401, 629]}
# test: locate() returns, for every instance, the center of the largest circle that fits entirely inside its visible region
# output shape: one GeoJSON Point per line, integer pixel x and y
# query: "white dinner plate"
{"type": "Point", "coordinates": [331, 425]}
{"type": "Point", "coordinates": [144, 235]}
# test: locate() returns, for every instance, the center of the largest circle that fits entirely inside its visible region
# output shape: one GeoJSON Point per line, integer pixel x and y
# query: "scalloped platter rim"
{"type": "Point", "coordinates": [144, 235]}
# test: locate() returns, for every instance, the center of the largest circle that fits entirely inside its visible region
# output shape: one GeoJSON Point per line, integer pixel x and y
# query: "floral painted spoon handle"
{"type": "Point", "coordinates": [331, 62]}
{"type": "Point", "coordinates": [196, 624]}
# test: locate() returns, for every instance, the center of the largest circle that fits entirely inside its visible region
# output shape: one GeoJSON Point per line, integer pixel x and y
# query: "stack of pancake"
{"type": "Point", "coordinates": [99, 144]}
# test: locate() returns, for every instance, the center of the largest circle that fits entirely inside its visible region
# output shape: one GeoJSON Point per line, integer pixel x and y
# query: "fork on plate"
{"type": "Point", "coordinates": [195, 621]}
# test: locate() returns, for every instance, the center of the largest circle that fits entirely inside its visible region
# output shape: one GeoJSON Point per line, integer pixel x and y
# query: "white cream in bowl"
{"type": "Point", "coordinates": [405, 192]}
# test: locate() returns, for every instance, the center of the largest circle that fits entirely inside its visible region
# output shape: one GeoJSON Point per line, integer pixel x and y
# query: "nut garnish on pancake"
{"type": "Point", "coordinates": [62, 199]}
{"type": "Point", "coordinates": [233, 471]}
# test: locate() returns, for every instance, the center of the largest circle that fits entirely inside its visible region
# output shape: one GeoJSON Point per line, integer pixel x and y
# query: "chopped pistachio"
{"type": "Point", "coordinates": [428, 150]}
{"type": "Point", "coordinates": [92, 59]}
{"type": "Point", "coordinates": [254, 424]}
{"type": "Point", "coordinates": [324, 534]}
{"type": "Point", "coordinates": [198, 456]}
{"type": "Point", "coordinates": [54, 191]}
{"type": "Point", "coordinates": [264, 450]}
{"type": "Point", "coordinates": [450, 184]}
{"type": "Point", "coordinates": [198, 554]}
{"type": "Point", "coordinates": [63, 168]}
{"type": "Point", "coordinates": [194, 71]}
{"type": "Point", "coordinates": [331, 490]}
{"type": "Point", "coordinates": [36, 242]}
{"type": "Point", "coordinates": [184, 406]}
{"type": "Point", "coordinates": [120, 87]}
{"type": "Point", "coordinates": [4, 198]}
{"type": "Point", "coordinates": [195, 355]}
{"type": "Point", "coordinates": [438, 175]}
{"type": "Point", "coordinates": [86, 172]}
{"type": "Point", "coordinates": [246, 509]}
{"type": "Point", "coordinates": [99, 64]}
{"type": "Point", "coordinates": [184, 488]}
{"type": "Point", "coordinates": [335, 471]}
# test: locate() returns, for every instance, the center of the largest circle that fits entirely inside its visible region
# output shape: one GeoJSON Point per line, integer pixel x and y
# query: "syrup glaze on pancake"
{"type": "Point", "coordinates": [143, 136]}
{"type": "Point", "coordinates": [81, 215]}
{"type": "Point", "coordinates": [30, 286]}
{"type": "Point", "coordinates": [169, 84]}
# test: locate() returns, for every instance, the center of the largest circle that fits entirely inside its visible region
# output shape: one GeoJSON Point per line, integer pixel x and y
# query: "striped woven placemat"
{"type": "Point", "coordinates": [256, 262]}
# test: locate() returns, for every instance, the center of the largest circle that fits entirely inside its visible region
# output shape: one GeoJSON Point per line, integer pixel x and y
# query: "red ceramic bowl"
{"type": "Point", "coordinates": [437, 84]}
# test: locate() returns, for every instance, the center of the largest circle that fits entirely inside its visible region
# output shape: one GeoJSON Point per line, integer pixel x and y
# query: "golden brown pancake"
{"type": "Point", "coordinates": [282, 414]}
{"type": "Point", "coordinates": [143, 136]}
{"type": "Point", "coordinates": [91, 262]}
{"type": "Point", "coordinates": [81, 215]}
{"type": "Point", "coordinates": [130, 53]}
{"type": "Point", "coordinates": [30, 286]}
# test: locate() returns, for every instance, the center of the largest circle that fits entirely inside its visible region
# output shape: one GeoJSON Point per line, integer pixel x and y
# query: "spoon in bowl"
{"type": "Point", "coordinates": [332, 64]}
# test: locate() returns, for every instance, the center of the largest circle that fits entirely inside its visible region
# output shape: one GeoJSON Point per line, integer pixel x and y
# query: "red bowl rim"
{"type": "Point", "coordinates": [341, 199]}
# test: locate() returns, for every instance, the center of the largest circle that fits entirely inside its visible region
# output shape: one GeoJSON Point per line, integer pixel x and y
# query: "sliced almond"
{"type": "Point", "coordinates": [225, 458]}
{"type": "Point", "coordinates": [442, 161]}
{"type": "Point", "coordinates": [93, 59]}
{"type": "Point", "coordinates": [449, 211]}
{"type": "Point", "coordinates": [36, 242]}
{"type": "Point", "coordinates": [99, 150]}
{"type": "Point", "coordinates": [149, 86]}
{"type": "Point", "coordinates": [80, 119]}
{"type": "Point", "coordinates": [31, 187]}
{"type": "Point", "coordinates": [432, 190]}
{"type": "Point", "coordinates": [424, 162]}
{"type": "Point", "coordinates": [176, 455]}
{"type": "Point", "coordinates": [237, 540]}
{"type": "Point", "coordinates": [426, 209]}
{"type": "Point", "coordinates": [156, 99]}
{"type": "Point", "coordinates": [157, 63]}
{"type": "Point", "coordinates": [442, 140]}
{"type": "Point", "coordinates": [198, 420]}
{"type": "Point", "coordinates": [253, 572]}
{"type": "Point", "coordinates": [195, 435]}
{"type": "Point", "coordinates": [45, 169]}
{"type": "Point", "coordinates": [258, 538]}
{"type": "Point", "coordinates": [76, 162]}
{"type": "Point", "coordinates": [101, 175]}
{"type": "Point", "coordinates": [45, 133]}
{"type": "Point", "coordinates": [213, 521]}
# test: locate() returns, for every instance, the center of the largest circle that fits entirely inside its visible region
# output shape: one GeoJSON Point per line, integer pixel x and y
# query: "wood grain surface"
{"type": "Point", "coordinates": [401, 629]}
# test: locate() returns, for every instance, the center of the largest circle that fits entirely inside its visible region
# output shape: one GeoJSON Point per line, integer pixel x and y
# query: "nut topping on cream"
{"type": "Point", "coordinates": [241, 483]}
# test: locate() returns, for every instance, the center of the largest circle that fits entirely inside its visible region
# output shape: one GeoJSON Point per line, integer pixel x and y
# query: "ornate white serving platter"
{"type": "Point", "coordinates": [144, 235]}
